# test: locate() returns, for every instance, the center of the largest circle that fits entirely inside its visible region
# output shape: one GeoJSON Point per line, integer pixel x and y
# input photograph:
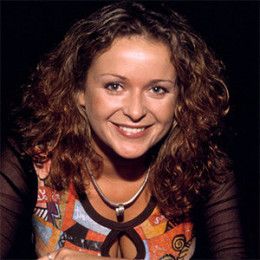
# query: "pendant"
{"type": "Point", "coordinates": [120, 210]}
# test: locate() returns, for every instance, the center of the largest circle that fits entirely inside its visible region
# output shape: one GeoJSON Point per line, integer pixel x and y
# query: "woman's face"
{"type": "Point", "coordinates": [130, 95]}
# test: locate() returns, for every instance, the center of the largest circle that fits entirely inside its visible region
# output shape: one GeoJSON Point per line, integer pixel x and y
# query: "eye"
{"type": "Point", "coordinates": [159, 90]}
{"type": "Point", "coordinates": [113, 86]}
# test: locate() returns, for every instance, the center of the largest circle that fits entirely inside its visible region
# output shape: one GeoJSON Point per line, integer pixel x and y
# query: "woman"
{"type": "Point", "coordinates": [119, 123]}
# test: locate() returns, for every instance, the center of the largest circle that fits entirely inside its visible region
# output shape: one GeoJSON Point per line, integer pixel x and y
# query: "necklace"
{"type": "Point", "coordinates": [118, 207]}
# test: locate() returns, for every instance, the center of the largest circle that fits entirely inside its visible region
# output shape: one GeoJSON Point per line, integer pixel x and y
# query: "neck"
{"type": "Point", "coordinates": [120, 168]}
{"type": "Point", "coordinates": [117, 168]}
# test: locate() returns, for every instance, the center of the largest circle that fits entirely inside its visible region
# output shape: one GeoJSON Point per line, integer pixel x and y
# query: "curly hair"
{"type": "Point", "coordinates": [53, 125]}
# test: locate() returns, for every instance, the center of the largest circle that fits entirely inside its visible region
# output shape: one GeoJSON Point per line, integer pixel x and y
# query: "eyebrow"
{"type": "Point", "coordinates": [114, 75]}
{"type": "Point", "coordinates": [154, 81]}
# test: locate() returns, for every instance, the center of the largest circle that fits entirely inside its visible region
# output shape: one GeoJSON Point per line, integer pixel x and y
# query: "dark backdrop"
{"type": "Point", "coordinates": [231, 29]}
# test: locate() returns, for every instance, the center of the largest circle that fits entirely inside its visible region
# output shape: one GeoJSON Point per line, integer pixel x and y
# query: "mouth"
{"type": "Point", "coordinates": [131, 131]}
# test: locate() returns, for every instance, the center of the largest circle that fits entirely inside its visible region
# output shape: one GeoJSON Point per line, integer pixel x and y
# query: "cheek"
{"type": "Point", "coordinates": [99, 106]}
{"type": "Point", "coordinates": [164, 111]}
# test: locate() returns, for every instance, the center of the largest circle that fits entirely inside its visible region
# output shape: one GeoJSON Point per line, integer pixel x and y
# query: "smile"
{"type": "Point", "coordinates": [131, 131]}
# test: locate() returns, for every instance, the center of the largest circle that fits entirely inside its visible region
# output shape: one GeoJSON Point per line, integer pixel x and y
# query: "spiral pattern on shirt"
{"type": "Point", "coordinates": [178, 242]}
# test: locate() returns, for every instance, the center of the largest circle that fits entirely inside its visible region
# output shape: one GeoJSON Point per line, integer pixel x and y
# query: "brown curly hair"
{"type": "Point", "coordinates": [53, 125]}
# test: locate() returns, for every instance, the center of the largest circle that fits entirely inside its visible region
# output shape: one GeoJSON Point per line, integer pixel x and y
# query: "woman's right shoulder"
{"type": "Point", "coordinates": [16, 169]}
{"type": "Point", "coordinates": [18, 194]}
{"type": "Point", "coordinates": [11, 155]}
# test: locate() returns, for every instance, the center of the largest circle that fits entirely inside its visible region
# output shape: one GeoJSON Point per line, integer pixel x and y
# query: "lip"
{"type": "Point", "coordinates": [131, 131]}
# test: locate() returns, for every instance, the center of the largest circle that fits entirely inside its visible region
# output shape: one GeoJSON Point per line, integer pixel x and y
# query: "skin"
{"type": "Point", "coordinates": [130, 98]}
{"type": "Point", "coordinates": [68, 254]}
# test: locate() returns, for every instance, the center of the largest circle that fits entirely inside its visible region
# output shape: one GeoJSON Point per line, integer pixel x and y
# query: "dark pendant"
{"type": "Point", "coordinates": [120, 210]}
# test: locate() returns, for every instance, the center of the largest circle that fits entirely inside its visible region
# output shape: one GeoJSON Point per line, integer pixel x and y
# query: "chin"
{"type": "Point", "coordinates": [131, 154]}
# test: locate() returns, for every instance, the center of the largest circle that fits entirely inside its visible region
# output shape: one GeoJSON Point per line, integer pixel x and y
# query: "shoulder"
{"type": "Point", "coordinates": [18, 192]}
{"type": "Point", "coordinates": [219, 224]}
{"type": "Point", "coordinates": [16, 171]}
{"type": "Point", "coordinates": [221, 192]}
{"type": "Point", "coordinates": [10, 158]}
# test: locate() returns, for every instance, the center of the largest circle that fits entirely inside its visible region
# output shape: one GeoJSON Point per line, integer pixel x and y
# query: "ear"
{"type": "Point", "coordinates": [81, 98]}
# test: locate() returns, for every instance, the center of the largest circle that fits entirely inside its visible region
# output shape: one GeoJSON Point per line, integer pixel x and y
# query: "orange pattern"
{"type": "Point", "coordinates": [61, 221]}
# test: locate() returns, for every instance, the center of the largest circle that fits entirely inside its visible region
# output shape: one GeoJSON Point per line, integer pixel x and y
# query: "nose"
{"type": "Point", "coordinates": [134, 107]}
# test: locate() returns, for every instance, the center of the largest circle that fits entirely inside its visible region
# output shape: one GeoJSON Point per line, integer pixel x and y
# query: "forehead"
{"type": "Point", "coordinates": [134, 39]}
{"type": "Point", "coordinates": [134, 50]}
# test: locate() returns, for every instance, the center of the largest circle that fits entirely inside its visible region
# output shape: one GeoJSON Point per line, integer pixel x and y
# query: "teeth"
{"type": "Point", "coordinates": [131, 130]}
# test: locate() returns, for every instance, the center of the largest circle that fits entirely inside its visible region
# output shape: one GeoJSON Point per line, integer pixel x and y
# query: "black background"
{"type": "Point", "coordinates": [230, 28]}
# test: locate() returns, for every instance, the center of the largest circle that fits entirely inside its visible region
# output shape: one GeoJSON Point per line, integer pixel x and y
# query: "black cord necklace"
{"type": "Point", "coordinates": [118, 207]}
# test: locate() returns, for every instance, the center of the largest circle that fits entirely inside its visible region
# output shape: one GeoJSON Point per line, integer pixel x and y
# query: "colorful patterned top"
{"type": "Point", "coordinates": [63, 220]}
